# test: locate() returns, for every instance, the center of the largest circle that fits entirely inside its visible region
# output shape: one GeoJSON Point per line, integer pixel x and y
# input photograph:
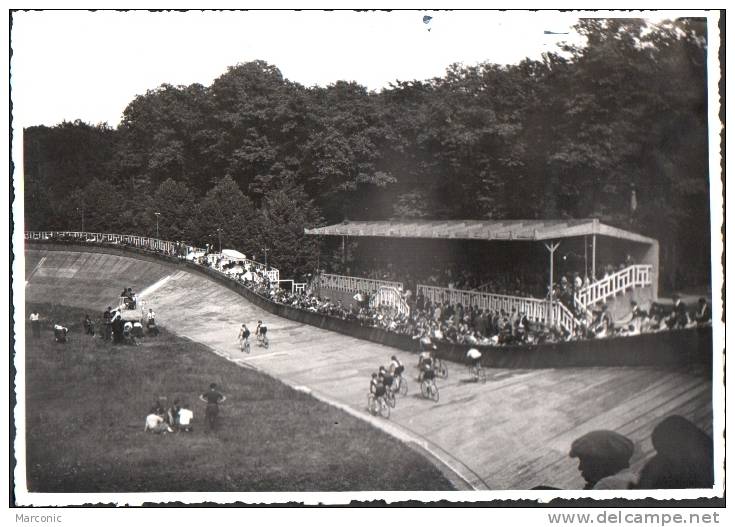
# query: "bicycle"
{"type": "Point", "coordinates": [377, 405]}
{"type": "Point", "coordinates": [402, 388]}
{"type": "Point", "coordinates": [390, 397]}
{"type": "Point", "coordinates": [245, 345]}
{"type": "Point", "coordinates": [478, 374]}
{"type": "Point", "coordinates": [262, 340]}
{"type": "Point", "coordinates": [429, 390]}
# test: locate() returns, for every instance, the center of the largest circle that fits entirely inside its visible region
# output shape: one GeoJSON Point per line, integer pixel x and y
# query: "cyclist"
{"type": "Point", "coordinates": [386, 378]}
{"type": "Point", "coordinates": [426, 361]}
{"type": "Point", "coordinates": [213, 398]}
{"type": "Point", "coordinates": [260, 333]}
{"type": "Point", "coordinates": [377, 388]}
{"type": "Point", "coordinates": [243, 337]}
{"type": "Point", "coordinates": [474, 355]}
{"type": "Point", "coordinates": [396, 368]}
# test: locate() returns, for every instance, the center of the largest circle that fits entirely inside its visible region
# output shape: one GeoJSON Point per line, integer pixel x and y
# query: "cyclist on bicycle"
{"type": "Point", "coordinates": [474, 355]}
{"type": "Point", "coordinates": [260, 332]}
{"type": "Point", "coordinates": [243, 337]}
{"type": "Point", "coordinates": [386, 378]}
{"type": "Point", "coordinates": [426, 361]}
{"type": "Point", "coordinates": [377, 388]}
{"type": "Point", "coordinates": [395, 368]}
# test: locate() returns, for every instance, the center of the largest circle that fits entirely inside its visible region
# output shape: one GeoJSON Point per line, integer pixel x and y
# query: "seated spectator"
{"type": "Point", "coordinates": [186, 418]}
{"type": "Point", "coordinates": [679, 317]}
{"type": "Point", "coordinates": [172, 414]}
{"type": "Point", "coordinates": [703, 315]}
{"type": "Point", "coordinates": [604, 460]}
{"type": "Point", "coordinates": [60, 333]}
{"type": "Point", "coordinates": [159, 408]}
{"type": "Point", "coordinates": [684, 457]}
{"type": "Point", "coordinates": [156, 424]}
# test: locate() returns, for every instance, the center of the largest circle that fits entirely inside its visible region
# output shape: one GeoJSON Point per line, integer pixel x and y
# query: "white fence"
{"type": "Point", "coordinates": [142, 242]}
{"type": "Point", "coordinates": [353, 284]}
{"type": "Point", "coordinates": [616, 283]}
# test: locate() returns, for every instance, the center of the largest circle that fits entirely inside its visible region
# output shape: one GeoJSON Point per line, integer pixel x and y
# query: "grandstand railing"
{"type": "Point", "coordinates": [616, 283]}
{"type": "Point", "coordinates": [391, 297]}
{"type": "Point", "coordinates": [535, 309]}
{"type": "Point", "coordinates": [272, 273]}
{"type": "Point", "coordinates": [143, 242]}
{"type": "Point", "coordinates": [354, 284]}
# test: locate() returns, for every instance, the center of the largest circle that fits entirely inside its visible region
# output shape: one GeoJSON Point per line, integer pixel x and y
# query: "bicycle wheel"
{"type": "Point", "coordinates": [390, 398]}
{"type": "Point", "coordinates": [371, 405]}
{"type": "Point", "coordinates": [265, 342]}
{"type": "Point", "coordinates": [482, 375]}
{"type": "Point", "coordinates": [434, 392]}
{"type": "Point", "coordinates": [384, 409]}
{"type": "Point", "coordinates": [425, 389]}
{"type": "Point", "coordinates": [403, 388]}
{"type": "Point", "coordinates": [247, 347]}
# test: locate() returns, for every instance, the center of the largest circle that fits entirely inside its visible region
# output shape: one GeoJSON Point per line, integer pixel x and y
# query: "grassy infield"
{"type": "Point", "coordinates": [86, 402]}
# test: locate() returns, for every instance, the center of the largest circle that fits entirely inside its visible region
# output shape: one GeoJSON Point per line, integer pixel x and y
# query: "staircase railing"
{"type": "Point", "coordinates": [614, 284]}
{"type": "Point", "coordinates": [391, 297]}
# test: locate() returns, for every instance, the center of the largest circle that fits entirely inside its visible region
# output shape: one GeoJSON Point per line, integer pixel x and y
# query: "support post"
{"type": "Point", "coordinates": [551, 248]}
{"type": "Point", "coordinates": [594, 257]}
{"type": "Point", "coordinates": [343, 251]}
{"type": "Point", "coordinates": [586, 266]}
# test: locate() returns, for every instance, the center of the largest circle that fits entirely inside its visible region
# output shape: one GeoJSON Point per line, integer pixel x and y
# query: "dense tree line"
{"type": "Point", "coordinates": [573, 134]}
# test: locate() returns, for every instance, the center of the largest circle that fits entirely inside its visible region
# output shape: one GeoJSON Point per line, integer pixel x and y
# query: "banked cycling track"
{"type": "Point", "coordinates": [512, 432]}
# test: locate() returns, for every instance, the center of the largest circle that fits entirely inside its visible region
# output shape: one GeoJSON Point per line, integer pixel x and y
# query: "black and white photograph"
{"type": "Point", "coordinates": [330, 257]}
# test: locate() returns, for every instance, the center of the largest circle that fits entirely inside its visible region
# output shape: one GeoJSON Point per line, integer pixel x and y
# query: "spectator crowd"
{"type": "Point", "coordinates": [458, 323]}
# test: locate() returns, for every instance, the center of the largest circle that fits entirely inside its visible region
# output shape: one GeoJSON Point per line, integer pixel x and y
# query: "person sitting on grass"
{"type": "Point", "coordinates": [186, 417]}
{"type": "Point", "coordinates": [60, 333]}
{"type": "Point", "coordinates": [172, 414]}
{"type": "Point", "coordinates": [156, 424]}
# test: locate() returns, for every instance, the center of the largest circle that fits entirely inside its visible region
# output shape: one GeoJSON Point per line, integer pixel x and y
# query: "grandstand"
{"type": "Point", "coordinates": [639, 281]}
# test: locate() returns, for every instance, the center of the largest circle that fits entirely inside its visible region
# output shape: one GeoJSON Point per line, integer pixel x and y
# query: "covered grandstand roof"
{"type": "Point", "coordinates": [529, 230]}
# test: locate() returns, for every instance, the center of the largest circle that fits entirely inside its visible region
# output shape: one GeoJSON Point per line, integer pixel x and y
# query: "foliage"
{"type": "Point", "coordinates": [572, 134]}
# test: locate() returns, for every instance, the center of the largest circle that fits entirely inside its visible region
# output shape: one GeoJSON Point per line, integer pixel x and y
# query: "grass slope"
{"type": "Point", "coordinates": [86, 403]}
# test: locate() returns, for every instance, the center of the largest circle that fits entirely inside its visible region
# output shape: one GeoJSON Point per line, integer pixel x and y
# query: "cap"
{"type": "Point", "coordinates": [603, 444]}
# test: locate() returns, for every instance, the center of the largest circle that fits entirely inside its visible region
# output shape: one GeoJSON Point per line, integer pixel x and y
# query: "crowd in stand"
{"type": "Point", "coordinates": [460, 324]}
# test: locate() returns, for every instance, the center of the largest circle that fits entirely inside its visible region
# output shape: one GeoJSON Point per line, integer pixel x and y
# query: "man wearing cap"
{"type": "Point", "coordinates": [604, 460]}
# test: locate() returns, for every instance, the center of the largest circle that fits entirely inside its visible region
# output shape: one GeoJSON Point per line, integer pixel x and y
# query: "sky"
{"type": "Point", "coordinates": [69, 65]}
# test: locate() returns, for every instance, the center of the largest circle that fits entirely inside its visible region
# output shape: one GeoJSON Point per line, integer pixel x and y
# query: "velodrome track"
{"type": "Point", "coordinates": [513, 432]}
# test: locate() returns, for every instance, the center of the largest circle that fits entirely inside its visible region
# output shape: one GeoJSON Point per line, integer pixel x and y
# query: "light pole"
{"type": "Point", "coordinates": [265, 251]}
{"type": "Point", "coordinates": [551, 248]}
{"type": "Point", "coordinates": [157, 215]}
{"type": "Point", "coordinates": [219, 237]}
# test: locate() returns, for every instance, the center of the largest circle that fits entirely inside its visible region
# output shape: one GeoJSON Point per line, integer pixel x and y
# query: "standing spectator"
{"type": "Point", "coordinates": [88, 326]}
{"type": "Point", "coordinates": [604, 460]}
{"type": "Point", "coordinates": [35, 324]}
{"type": "Point", "coordinates": [213, 399]}
{"type": "Point", "coordinates": [107, 319]}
